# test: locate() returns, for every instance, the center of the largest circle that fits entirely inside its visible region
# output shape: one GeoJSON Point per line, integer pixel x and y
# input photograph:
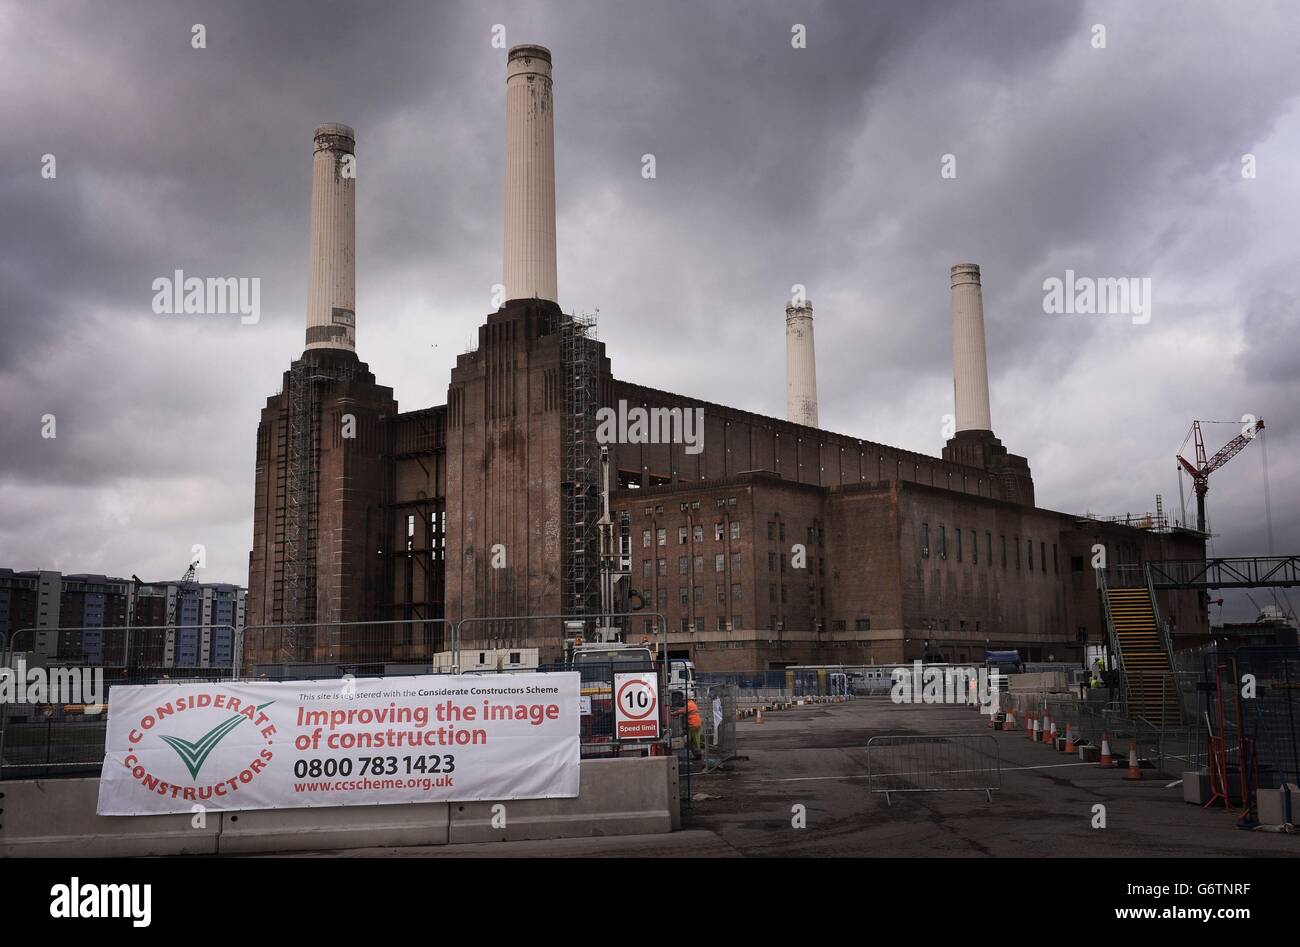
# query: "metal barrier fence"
{"type": "Point", "coordinates": [1172, 746]}
{"type": "Point", "coordinates": [287, 652]}
{"type": "Point", "coordinates": [717, 703]}
{"type": "Point", "coordinates": [598, 729]}
{"type": "Point", "coordinates": [851, 680]}
{"type": "Point", "coordinates": [1267, 678]}
{"type": "Point", "coordinates": [59, 730]}
{"type": "Point", "coordinates": [128, 652]}
{"type": "Point", "coordinates": [933, 763]}
{"type": "Point", "coordinates": [515, 632]}
{"type": "Point", "coordinates": [748, 685]}
{"type": "Point", "coordinates": [44, 738]}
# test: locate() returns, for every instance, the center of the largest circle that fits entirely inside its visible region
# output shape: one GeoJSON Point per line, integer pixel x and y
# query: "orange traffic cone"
{"type": "Point", "coordinates": [1051, 740]}
{"type": "Point", "coordinates": [1029, 726]}
{"type": "Point", "coordinates": [759, 715]}
{"type": "Point", "coordinates": [1010, 723]}
{"type": "Point", "coordinates": [1134, 771]}
{"type": "Point", "coordinates": [1037, 731]}
{"type": "Point", "coordinates": [1105, 761]}
{"type": "Point", "coordinates": [1069, 738]}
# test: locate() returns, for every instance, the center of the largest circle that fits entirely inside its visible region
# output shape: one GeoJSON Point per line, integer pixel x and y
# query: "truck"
{"type": "Point", "coordinates": [681, 679]}
{"type": "Point", "coordinates": [1004, 663]}
{"type": "Point", "coordinates": [598, 662]}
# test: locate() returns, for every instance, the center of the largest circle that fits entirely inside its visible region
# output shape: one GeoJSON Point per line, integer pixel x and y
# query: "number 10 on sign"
{"type": "Point", "coordinates": [636, 706]}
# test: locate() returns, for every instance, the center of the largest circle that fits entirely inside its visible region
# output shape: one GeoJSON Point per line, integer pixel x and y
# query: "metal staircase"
{"type": "Point", "coordinates": [1150, 688]}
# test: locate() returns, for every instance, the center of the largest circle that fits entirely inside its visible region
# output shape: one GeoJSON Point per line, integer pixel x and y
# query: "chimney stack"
{"type": "Point", "coordinates": [800, 365]}
{"type": "Point", "coordinates": [331, 290]}
{"type": "Point", "coordinates": [970, 372]}
{"type": "Point", "coordinates": [530, 176]}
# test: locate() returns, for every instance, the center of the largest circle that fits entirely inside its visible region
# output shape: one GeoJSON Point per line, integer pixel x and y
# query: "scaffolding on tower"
{"type": "Point", "coordinates": [580, 476]}
{"type": "Point", "coordinates": [302, 494]}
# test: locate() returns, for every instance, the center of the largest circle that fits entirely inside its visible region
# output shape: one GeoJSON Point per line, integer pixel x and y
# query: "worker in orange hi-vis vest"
{"type": "Point", "coordinates": [694, 723]}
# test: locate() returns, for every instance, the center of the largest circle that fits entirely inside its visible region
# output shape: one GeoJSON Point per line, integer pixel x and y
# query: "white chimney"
{"type": "Point", "coordinates": [332, 287]}
{"type": "Point", "coordinates": [530, 176]}
{"type": "Point", "coordinates": [970, 371]}
{"type": "Point", "coordinates": [800, 365]}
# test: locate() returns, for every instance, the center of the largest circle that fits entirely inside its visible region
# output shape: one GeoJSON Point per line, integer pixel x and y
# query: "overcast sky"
{"type": "Point", "coordinates": [774, 166]}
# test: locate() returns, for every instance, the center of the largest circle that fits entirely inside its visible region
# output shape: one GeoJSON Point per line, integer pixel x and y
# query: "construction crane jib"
{"type": "Point", "coordinates": [1201, 470]}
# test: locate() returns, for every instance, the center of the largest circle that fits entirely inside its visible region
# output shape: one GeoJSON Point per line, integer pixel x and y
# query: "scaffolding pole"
{"type": "Point", "coordinates": [581, 475]}
{"type": "Point", "coordinates": [302, 492]}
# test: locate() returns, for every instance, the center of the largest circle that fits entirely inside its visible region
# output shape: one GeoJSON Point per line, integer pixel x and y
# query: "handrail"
{"type": "Point", "coordinates": [1162, 627]}
{"type": "Point", "coordinates": [1111, 637]}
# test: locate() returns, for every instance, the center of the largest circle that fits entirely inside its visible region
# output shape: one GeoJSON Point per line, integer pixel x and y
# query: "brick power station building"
{"type": "Point", "coordinates": [763, 543]}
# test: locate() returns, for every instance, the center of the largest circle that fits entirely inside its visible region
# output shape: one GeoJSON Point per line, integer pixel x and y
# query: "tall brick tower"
{"type": "Point", "coordinates": [521, 456]}
{"type": "Point", "coordinates": [321, 472]}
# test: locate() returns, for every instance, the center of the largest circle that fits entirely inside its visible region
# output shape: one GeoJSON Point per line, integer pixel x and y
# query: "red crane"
{"type": "Point", "coordinates": [1202, 469]}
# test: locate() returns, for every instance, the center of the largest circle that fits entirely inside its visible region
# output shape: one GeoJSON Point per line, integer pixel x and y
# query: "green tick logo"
{"type": "Point", "coordinates": [194, 754]}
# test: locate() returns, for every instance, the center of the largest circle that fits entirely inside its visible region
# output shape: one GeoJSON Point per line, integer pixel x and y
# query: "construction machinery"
{"type": "Point", "coordinates": [1201, 470]}
{"type": "Point", "coordinates": [186, 580]}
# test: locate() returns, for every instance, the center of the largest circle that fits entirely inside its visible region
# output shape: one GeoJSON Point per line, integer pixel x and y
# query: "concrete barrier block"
{"type": "Point", "coordinates": [55, 818]}
{"type": "Point", "coordinates": [632, 796]}
{"type": "Point", "coordinates": [1041, 682]}
{"type": "Point", "coordinates": [331, 827]}
{"type": "Point", "coordinates": [1272, 805]}
{"type": "Point", "coordinates": [1196, 787]}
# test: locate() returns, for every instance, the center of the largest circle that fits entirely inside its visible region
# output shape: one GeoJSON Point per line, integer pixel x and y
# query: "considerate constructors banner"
{"type": "Point", "coordinates": [263, 745]}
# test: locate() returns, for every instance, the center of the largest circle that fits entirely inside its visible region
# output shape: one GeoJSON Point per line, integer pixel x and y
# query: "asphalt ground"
{"type": "Point", "coordinates": [815, 757]}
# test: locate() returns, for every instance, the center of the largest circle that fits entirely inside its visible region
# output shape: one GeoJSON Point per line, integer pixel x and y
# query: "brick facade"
{"type": "Point", "coordinates": [411, 512]}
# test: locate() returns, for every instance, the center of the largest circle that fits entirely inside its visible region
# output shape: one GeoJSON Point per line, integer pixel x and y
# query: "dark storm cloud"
{"type": "Point", "coordinates": [775, 166]}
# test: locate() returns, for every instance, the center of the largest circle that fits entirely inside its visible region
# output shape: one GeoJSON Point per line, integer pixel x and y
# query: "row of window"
{"type": "Point", "coordinates": [814, 596]}
{"type": "Point", "coordinates": [684, 593]}
{"type": "Point", "coordinates": [781, 644]}
{"type": "Point", "coordinates": [686, 626]}
{"type": "Point", "coordinates": [816, 535]}
{"type": "Point", "coordinates": [945, 624]}
{"type": "Point", "coordinates": [974, 547]}
{"type": "Point", "coordinates": [859, 624]}
{"type": "Point", "coordinates": [649, 537]}
{"type": "Point", "coordinates": [652, 510]}
{"type": "Point", "coordinates": [648, 567]}
{"type": "Point", "coordinates": [776, 563]}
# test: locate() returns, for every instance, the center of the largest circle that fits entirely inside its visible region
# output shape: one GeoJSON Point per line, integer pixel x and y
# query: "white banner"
{"type": "Point", "coordinates": [261, 745]}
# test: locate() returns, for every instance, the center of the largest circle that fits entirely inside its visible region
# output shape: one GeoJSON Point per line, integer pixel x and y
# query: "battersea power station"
{"type": "Point", "coordinates": [549, 486]}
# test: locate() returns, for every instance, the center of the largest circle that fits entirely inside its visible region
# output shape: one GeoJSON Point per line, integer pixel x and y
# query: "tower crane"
{"type": "Point", "coordinates": [181, 586]}
{"type": "Point", "coordinates": [1201, 470]}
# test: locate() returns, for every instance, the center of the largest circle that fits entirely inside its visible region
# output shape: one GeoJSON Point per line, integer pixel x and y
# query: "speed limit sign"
{"type": "Point", "coordinates": [636, 706]}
